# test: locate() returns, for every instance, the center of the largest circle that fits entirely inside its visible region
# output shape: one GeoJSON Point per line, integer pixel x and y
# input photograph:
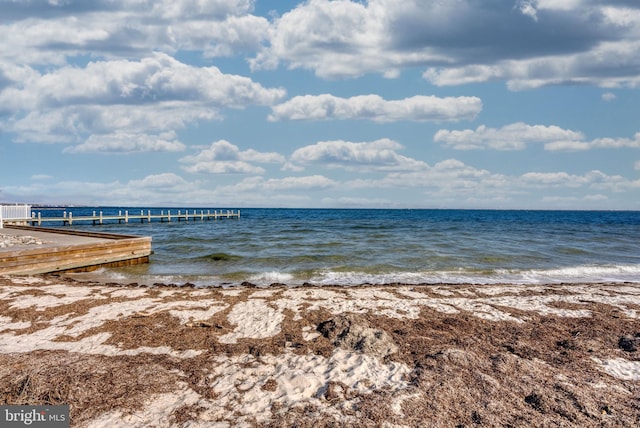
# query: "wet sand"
{"type": "Point", "coordinates": [392, 355]}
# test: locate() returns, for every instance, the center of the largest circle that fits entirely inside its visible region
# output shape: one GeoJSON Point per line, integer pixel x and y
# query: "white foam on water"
{"type": "Point", "coordinates": [573, 274]}
{"type": "Point", "coordinates": [328, 276]}
{"type": "Point", "coordinates": [267, 278]}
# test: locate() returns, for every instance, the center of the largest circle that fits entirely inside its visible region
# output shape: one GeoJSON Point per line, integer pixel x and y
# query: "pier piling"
{"type": "Point", "coordinates": [100, 218]}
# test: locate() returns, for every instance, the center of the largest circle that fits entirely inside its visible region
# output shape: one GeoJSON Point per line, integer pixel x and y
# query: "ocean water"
{"type": "Point", "coordinates": [356, 246]}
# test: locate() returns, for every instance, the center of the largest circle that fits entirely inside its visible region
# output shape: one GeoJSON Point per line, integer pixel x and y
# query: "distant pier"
{"type": "Point", "coordinates": [98, 217]}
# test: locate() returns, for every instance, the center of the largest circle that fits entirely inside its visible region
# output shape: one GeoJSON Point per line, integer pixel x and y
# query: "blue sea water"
{"type": "Point", "coordinates": [356, 246]}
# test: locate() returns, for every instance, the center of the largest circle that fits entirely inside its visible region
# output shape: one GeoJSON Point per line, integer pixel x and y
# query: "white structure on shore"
{"type": "Point", "coordinates": [14, 212]}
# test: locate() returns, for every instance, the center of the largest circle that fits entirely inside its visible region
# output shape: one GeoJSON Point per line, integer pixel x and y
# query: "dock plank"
{"type": "Point", "coordinates": [71, 251]}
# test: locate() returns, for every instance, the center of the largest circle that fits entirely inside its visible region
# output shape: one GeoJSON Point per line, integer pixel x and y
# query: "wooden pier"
{"type": "Point", "coordinates": [125, 217]}
{"type": "Point", "coordinates": [68, 250]}
{"type": "Point", "coordinates": [64, 250]}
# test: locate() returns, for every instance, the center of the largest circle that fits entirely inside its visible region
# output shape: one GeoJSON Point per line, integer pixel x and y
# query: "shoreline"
{"type": "Point", "coordinates": [369, 355]}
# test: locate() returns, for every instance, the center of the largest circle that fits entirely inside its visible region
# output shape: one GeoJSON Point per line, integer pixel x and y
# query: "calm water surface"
{"type": "Point", "coordinates": [348, 247]}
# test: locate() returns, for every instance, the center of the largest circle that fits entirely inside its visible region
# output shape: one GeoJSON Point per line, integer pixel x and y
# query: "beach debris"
{"type": "Point", "coordinates": [142, 314]}
{"type": "Point", "coordinates": [534, 400]}
{"type": "Point", "coordinates": [198, 323]}
{"type": "Point", "coordinates": [629, 343]}
{"type": "Point", "coordinates": [353, 332]}
{"type": "Point", "coordinates": [11, 240]}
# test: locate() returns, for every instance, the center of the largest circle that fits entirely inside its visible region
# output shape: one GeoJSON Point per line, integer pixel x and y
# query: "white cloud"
{"type": "Point", "coordinates": [38, 32]}
{"type": "Point", "coordinates": [608, 96]}
{"type": "Point", "coordinates": [222, 157]}
{"type": "Point", "coordinates": [154, 95]}
{"type": "Point", "coordinates": [327, 37]}
{"type": "Point", "coordinates": [355, 202]}
{"type": "Point", "coordinates": [374, 107]}
{"type": "Point", "coordinates": [596, 198]}
{"type": "Point", "coordinates": [153, 189]}
{"type": "Point", "coordinates": [296, 183]}
{"type": "Point", "coordinates": [120, 142]}
{"type": "Point", "coordinates": [198, 9]}
{"type": "Point", "coordinates": [516, 136]}
{"type": "Point", "coordinates": [596, 180]}
{"type": "Point", "coordinates": [77, 122]}
{"type": "Point", "coordinates": [510, 137]}
{"type": "Point", "coordinates": [42, 177]}
{"type": "Point", "coordinates": [274, 191]}
{"type": "Point", "coordinates": [164, 182]}
{"type": "Point", "coordinates": [155, 79]}
{"type": "Point", "coordinates": [608, 65]}
{"type": "Point", "coordinates": [553, 179]}
{"type": "Point", "coordinates": [377, 155]}
{"type": "Point", "coordinates": [528, 8]}
{"type": "Point", "coordinates": [452, 180]}
{"type": "Point", "coordinates": [598, 143]}
{"type": "Point", "coordinates": [530, 43]}
{"type": "Point", "coordinates": [447, 183]}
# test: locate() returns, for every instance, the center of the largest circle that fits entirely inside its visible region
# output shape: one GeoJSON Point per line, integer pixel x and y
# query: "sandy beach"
{"type": "Point", "coordinates": [388, 356]}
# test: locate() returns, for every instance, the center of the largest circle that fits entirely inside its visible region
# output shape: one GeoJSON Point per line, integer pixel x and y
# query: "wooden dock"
{"type": "Point", "coordinates": [65, 250]}
{"type": "Point", "coordinates": [125, 217]}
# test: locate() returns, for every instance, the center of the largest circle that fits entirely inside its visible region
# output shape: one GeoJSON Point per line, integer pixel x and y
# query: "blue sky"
{"type": "Point", "coordinates": [525, 104]}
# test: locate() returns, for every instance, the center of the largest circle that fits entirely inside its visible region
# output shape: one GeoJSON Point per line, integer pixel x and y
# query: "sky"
{"type": "Point", "coordinates": [500, 104]}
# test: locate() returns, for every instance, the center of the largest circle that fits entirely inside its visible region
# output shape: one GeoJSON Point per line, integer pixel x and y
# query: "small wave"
{"type": "Point", "coordinates": [350, 276]}
{"type": "Point", "coordinates": [267, 278]}
{"type": "Point", "coordinates": [572, 251]}
{"type": "Point", "coordinates": [576, 274]}
{"type": "Point", "coordinates": [588, 273]}
{"type": "Point", "coordinates": [220, 257]}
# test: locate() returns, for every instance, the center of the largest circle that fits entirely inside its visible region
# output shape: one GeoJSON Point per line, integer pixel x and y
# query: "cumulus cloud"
{"type": "Point", "coordinates": [444, 183]}
{"type": "Point", "coordinates": [451, 182]}
{"type": "Point", "coordinates": [156, 189]}
{"type": "Point", "coordinates": [529, 43]}
{"type": "Point", "coordinates": [165, 181]}
{"type": "Point", "coordinates": [44, 32]}
{"type": "Point", "coordinates": [72, 71]}
{"type": "Point", "coordinates": [268, 192]}
{"type": "Point", "coordinates": [595, 179]}
{"type": "Point", "coordinates": [377, 155]}
{"type": "Point", "coordinates": [373, 107]}
{"type": "Point", "coordinates": [121, 142]}
{"type": "Point", "coordinates": [154, 79]}
{"type": "Point", "coordinates": [222, 157]}
{"type": "Point", "coordinates": [154, 95]}
{"type": "Point", "coordinates": [299, 183]}
{"type": "Point", "coordinates": [608, 65]}
{"type": "Point", "coordinates": [41, 177]}
{"type": "Point", "coordinates": [598, 143]}
{"type": "Point", "coordinates": [515, 136]}
{"type": "Point", "coordinates": [327, 37]}
{"type": "Point", "coordinates": [608, 96]}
